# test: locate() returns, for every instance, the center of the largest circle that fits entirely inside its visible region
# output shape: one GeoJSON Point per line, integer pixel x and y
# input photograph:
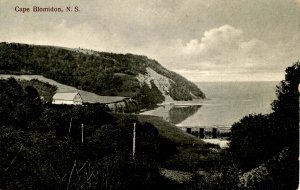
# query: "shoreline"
{"type": "Point", "coordinates": [222, 143]}
{"type": "Point", "coordinates": [194, 102]}
{"type": "Point", "coordinates": [170, 104]}
{"type": "Point", "coordinates": [162, 110]}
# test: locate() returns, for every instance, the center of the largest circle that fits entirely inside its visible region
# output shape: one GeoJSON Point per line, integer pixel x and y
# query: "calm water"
{"type": "Point", "coordinates": [228, 103]}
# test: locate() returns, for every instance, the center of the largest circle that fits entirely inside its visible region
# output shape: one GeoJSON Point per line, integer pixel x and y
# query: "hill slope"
{"type": "Point", "coordinates": [50, 87]}
{"type": "Point", "coordinates": [102, 73]}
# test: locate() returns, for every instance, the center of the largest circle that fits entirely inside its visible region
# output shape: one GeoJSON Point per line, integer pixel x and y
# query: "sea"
{"type": "Point", "coordinates": [226, 104]}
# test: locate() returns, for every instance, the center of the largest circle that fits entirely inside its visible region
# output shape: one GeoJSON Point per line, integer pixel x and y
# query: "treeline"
{"type": "Point", "coordinates": [98, 72]}
{"type": "Point", "coordinates": [41, 146]}
{"type": "Point", "coordinates": [45, 90]}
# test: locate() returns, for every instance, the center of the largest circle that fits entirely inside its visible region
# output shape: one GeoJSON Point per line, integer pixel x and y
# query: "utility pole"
{"type": "Point", "coordinates": [82, 133]}
{"type": "Point", "coordinates": [70, 125]}
{"type": "Point", "coordinates": [133, 142]}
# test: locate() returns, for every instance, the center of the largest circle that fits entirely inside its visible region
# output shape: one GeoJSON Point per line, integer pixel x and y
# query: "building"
{"type": "Point", "coordinates": [113, 103]}
{"type": "Point", "coordinates": [67, 98]}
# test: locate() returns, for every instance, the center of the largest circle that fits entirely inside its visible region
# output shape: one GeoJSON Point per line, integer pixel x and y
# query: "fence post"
{"type": "Point", "coordinates": [133, 141]}
{"type": "Point", "coordinates": [82, 133]}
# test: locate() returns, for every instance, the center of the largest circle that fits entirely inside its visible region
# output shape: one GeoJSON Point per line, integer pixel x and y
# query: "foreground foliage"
{"type": "Point", "coordinates": [266, 146]}
{"type": "Point", "coordinates": [41, 146]}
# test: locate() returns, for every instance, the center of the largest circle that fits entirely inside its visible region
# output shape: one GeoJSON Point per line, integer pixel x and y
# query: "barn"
{"type": "Point", "coordinates": [67, 98]}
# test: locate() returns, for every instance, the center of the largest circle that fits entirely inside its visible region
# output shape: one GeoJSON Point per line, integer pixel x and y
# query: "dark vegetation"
{"type": "Point", "coordinates": [98, 72]}
{"type": "Point", "coordinates": [271, 142]}
{"type": "Point", "coordinates": [45, 90]}
{"type": "Point", "coordinates": [149, 97]}
{"type": "Point", "coordinates": [41, 147]}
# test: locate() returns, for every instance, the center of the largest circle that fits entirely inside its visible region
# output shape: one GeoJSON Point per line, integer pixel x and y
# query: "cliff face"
{"type": "Point", "coordinates": [99, 72]}
{"type": "Point", "coordinates": [161, 82]}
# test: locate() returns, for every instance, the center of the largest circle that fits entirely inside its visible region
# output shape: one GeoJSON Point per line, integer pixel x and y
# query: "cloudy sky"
{"type": "Point", "coordinates": [203, 40]}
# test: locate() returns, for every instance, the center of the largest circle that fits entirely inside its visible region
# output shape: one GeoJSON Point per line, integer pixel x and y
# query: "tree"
{"type": "Point", "coordinates": [261, 139]}
{"type": "Point", "coordinates": [249, 143]}
{"type": "Point", "coordinates": [286, 107]}
{"type": "Point", "coordinates": [32, 92]}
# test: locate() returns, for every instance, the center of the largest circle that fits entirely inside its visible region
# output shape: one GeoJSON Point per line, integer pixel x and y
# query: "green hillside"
{"type": "Point", "coordinates": [98, 72]}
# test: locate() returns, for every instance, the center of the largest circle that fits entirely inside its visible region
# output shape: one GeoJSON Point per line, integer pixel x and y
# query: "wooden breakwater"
{"type": "Point", "coordinates": [208, 132]}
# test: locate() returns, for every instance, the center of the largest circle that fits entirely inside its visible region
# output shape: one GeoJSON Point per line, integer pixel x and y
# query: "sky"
{"type": "Point", "coordinates": [203, 40]}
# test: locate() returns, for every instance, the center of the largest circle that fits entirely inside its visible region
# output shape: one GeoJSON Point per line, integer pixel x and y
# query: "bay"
{"type": "Point", "coordinates": [227, 103]}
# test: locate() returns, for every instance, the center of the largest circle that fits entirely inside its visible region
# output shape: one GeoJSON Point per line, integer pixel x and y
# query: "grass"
{"type": "Point", "coordinates": [193, 153]}
{"type": "Point", "coordinates": [193, 158]}
{"type": "Point", "coordinates": [170, 131]}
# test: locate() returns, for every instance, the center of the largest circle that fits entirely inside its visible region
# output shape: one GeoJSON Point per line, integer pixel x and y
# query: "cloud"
{"type": "Point", "coordinates": [224, 53]}
{"type": "Point", "coordinates": [61, 33]}
{"type": "Point", "coordinates": [215, 43]}
{"type": "Point", "coordinates": [226, 47]}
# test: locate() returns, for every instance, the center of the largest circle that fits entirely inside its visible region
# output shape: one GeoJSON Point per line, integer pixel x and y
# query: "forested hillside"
{"type": "Point", "coordinates": [98, 72]}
